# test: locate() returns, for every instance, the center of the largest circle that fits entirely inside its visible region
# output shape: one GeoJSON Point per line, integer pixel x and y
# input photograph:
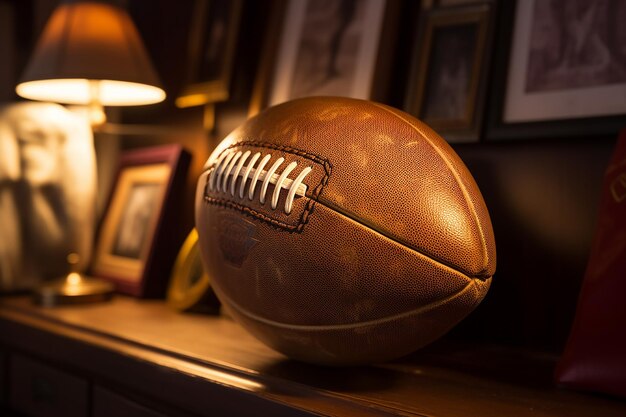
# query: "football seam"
{"type": "Point", "coordinates": [299, 228]}
{"type": "Point", "coordinates": [470, 206]}
{"type": "Point", "coordinates": [407, 245]}
{"type": "Point", "coordinates": [250, 212]}
{"type": "Point", "coordinates": [323, 327]}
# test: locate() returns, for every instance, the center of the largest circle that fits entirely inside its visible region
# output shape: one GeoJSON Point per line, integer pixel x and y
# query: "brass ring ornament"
{"type": "Point", "coordinates": [190, 285]}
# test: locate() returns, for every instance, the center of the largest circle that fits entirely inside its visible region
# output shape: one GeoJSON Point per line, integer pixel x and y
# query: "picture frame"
{"type": "Point", "coordinates": [302, 59]}
{"type": "Point", "coordinates": [541, 90]}
{"type": "Point", "coordinates": [137, 240]}
{"type": "Point", "coordinates": [447, 81]}
{"type": "Point", "coordinates": [190, 286]}
{"type": "Point", "coordinates": [212, 45]}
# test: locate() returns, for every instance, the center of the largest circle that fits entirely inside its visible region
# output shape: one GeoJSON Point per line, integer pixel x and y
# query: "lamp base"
{"type": "Point", "coordinates": [73, 290]}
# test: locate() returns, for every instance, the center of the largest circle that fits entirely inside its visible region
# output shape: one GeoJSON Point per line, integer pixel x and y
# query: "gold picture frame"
{"type": "Point", "coordinates": [212, 45]}
{"type": "Point", "coordinates": [448, 75]}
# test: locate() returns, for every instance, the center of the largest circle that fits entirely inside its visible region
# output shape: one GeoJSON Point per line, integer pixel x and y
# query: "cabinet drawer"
{"type": "Point", "coordinates": [39, 390]}
{"type": "Point", "coordinates": [107, 404]}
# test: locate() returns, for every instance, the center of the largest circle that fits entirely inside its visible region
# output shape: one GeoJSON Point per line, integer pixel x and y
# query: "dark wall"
{"type": "Point", "coordinates": [543, 198]}
{"type": "Point", "coordinates": [16, 35]}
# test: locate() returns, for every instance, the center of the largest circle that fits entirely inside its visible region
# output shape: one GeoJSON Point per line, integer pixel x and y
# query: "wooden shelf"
{"type": "Point", "coordinates": [185, 364]}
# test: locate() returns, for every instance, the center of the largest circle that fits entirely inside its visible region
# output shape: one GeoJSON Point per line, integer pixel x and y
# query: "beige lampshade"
{"type": "Point", "coordinates": [91, 52]}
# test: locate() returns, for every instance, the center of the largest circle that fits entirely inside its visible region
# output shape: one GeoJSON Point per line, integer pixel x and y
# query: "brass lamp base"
{"type": "Point", "coordinates": [73, 289]}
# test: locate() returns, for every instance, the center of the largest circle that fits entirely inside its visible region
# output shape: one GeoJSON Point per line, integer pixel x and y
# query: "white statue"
{"type": "Point", "coordinates": [47, 192]}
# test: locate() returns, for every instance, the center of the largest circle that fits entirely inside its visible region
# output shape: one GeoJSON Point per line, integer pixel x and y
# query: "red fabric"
{"type": "Point", "coordinates": [595, 354]}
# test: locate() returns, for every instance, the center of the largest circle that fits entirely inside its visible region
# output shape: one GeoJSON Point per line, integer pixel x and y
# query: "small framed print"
{"type": "Point", "coordinates": [335, 47]}
{"type": "Point", "coordinates": [135, 246]}
{"type": "Point", "coordinates": [449, 74]}
{"type": "Point", "coordinates": [212, 44]}
{"type": "Point", "coordinates": [561, 70]}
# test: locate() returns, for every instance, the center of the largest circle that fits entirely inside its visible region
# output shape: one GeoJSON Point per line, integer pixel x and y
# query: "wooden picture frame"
{"type": "Point", "coordinates": [212, 43]}
{"type": "Point", "coordinates": [541, 89]}
{"type": "Point", "coordinates": [137, 243]}
{"type": "Point", "coordinates": [317, 48]}
{"type": "Point", "coordinates": [448, 76]}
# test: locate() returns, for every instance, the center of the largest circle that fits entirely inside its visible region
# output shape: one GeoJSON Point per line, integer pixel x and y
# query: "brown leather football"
{"type": "Point", "coordinates": [342, 231]}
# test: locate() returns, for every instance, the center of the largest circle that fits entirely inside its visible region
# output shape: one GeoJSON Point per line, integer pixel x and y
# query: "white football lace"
{"type": "Point", "coordinates": [230, 166]}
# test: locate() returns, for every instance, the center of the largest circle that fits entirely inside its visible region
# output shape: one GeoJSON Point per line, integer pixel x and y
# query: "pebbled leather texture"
{"type": "Point", "coordinates": [390, 246]}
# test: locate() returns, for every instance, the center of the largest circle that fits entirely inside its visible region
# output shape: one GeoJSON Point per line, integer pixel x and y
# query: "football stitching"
{"type": "Point", "coordinates": [308, 208]}
{"type": "Point", "coordinates": [299, 152]}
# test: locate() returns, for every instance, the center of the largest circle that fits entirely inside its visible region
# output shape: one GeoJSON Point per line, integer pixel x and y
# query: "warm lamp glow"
{"type": "Point", "coordinates": [78, 91]}
{"type": "Point", "coordinates": [91, 53]}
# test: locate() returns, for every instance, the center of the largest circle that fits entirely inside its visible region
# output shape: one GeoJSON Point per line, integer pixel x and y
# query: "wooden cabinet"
{"type": "Point", "coordinates": [39, 390]}
{"type": "Point", "coordinates": [107, 403]}
{"type": "Point", "coordinates": [134, 357]}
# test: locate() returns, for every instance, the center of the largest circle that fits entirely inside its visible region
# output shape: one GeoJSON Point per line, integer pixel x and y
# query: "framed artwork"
{"type": "Point", "coordinates": [135, 243]}
{"type": "Point", "coordinates": [212, 43]}
{"type": "Point", "coordinates": [447, 80]}
{"type": "Point", "coordinates": [333, 47]}
{"type": "Point", "coordinates": [565, 71]}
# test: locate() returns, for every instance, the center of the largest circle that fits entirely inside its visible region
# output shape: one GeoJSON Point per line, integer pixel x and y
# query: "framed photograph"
{"type": "Point", "coordinates": [565, 71]}
{"type": "Point", "coordinates": [448, 78]}
{"type": "Point", "coordinates": [332, 47]}
{"type": "Point", "coordinates": [212, 43]}
{"type": "Point", "coordinates": [136, 246]}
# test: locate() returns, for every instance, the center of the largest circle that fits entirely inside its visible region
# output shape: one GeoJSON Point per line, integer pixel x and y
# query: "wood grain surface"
{"type": "Point", "coordinates": [210, 365]}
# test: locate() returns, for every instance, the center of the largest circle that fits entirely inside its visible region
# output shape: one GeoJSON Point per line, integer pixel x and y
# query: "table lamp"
{"type": "Point", "coordinates": [89, 53]}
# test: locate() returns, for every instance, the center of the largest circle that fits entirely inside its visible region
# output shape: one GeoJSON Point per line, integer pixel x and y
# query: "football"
{"type": "Point", "coordinates": [341, 231]}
